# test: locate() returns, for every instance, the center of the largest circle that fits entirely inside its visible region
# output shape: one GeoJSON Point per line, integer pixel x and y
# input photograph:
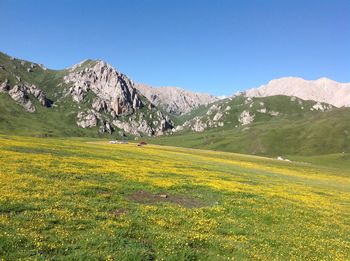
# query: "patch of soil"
{"type": "Point", "coordinates": [104, 193]}
{"type": "Point", "coordinates": [118, 212]}
{"type": "Point", "coordinates": [146, 197]}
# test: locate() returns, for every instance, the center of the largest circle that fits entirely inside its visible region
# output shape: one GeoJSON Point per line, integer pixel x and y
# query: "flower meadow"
{"type": "Point", "coordinates": [80, 199]}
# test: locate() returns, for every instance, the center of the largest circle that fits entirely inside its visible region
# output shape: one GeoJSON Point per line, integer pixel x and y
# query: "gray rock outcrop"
{"type": "Point", "coordinates": [87, 119]}
{"type": "Point", "coordinates": [174, 99]}
{"type": "Point", "coordinates": [20, 93]}
{"type": "Point", "coordinates": [218, 116]}
{"type": "Point", "coordinates": [91, 118]}
{"type": "Point", "coordinates": [212, 109]}
{"type": "Point", "coordinates": [115, 91]}
{"type": "Point", "coordinates": [198, 125]}
{"type": "Point", "coordinates": [246, 118]}
{"type": "Point", "coordinates": [138, 125]}
{"type": "Point", "coordinates": [4, 87]}
{"type": "Point", "coordinates": [99, 104]}
{"type": "Point", "coordinates": [321, 107]}
{"type": "Point", "coordinates": [38, 94]}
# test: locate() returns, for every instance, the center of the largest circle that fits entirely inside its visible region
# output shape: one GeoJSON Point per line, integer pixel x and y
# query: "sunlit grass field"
{"type": "Point", "coordinates": [80, 199]}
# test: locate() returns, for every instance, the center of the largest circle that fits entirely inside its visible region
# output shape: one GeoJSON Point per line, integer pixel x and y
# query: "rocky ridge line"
{"type": "Point", "coordinates": [175, 100]}
{"type": "Point", "coordinates": [321, 90]}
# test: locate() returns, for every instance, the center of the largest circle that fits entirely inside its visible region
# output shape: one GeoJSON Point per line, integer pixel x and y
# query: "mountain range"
{"type": "Point", "coordinates": [92, 99]}
{"type": "Point", "coordinates": [321, 90]}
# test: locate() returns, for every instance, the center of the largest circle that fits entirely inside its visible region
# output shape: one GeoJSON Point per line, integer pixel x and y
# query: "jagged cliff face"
{"type": "Point", "coordinates": [175, 100]}
{"type": "Point", "coordinates": [321, 90]}
{"type": "Point", "coordinates": [20, 93]}
{"type": "Point", "coordinates": [116, 97]}
{"type": "Point", "coordinates": [115, 92]}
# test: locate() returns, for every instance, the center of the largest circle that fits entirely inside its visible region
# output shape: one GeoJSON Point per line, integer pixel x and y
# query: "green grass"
{"type": "Point", "coordinates": [338, 160]}
{"type": "Point", "coordinates": [79, 199]}
{"type": "Point", "coordinates": [44, 122]}
{"type": "Point", "coordinates": [311, 134]}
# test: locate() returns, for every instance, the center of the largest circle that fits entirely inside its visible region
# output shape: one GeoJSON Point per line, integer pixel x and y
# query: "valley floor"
{"type": "Point", "coordinates": [85, 199]}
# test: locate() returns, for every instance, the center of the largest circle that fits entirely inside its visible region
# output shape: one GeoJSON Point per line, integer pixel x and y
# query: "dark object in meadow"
{"type": "Point", "coordinates": [141, 143]}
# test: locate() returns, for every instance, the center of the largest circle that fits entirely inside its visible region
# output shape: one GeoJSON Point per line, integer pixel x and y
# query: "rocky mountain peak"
{"type": "Point", "coordinates": [114, 90]}
{"type": "Point", "coordinates": [116, 103]}
{"type": "Point", "coordinates": [326, 81]}
{"type": "Point", "coordinates": [321, 90]}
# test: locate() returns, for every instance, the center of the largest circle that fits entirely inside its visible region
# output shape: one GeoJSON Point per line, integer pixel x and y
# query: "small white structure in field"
{"type": "Point", "coordinates": [280, 158]}
{"type": "Point", "coordinates": [118, 142]}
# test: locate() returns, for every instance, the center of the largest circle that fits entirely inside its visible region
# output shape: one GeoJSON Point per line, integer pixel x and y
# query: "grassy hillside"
{"type": "Point", "coordinates": [282, 126]}
{"type": "Point", "coordinates": [45, 79]}
{"type": "Point", "coordinates": [285, 106]}
{"type": "Point", "coordinates": [311, 133]}
{"type": "Point", "coordinates": [44, 122]}
{"type": "Point", "coordinates": [56, 121]}
{"type": "Point", "coordinates": [78, 199]}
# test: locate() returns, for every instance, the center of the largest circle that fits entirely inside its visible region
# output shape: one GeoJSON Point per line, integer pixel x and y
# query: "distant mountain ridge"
{"type": "Point", "coordinates": [321, 90]}
{"type": "Point", "coordinates": [174, 99]}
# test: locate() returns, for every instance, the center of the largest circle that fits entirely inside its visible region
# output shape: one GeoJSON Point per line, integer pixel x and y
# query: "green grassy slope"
{"type": "Point", "coordinates": [287, 107]}
{"type": "Point", "coordinates": [293, 134]}
{"type": "Point", "coordinates": [46, 80]}
{"type": "Point", "coordinates": [55, 121]}
{"type": "Point", "coordinates": [340, 161]}
{"type": "Point", "coordinates": [44, 122]}
{"type": "Point", "coordinates": [75, 200]}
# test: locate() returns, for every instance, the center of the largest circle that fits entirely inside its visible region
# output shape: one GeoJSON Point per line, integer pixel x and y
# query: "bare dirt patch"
{"type": "Point", "coordinates": [119, 212]}
{"type": "Point", "coordinates": [146, 197]}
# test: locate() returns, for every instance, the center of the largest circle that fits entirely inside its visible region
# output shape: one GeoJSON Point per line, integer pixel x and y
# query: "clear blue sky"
{"type": "Point", "coordinates": [212, 46]}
